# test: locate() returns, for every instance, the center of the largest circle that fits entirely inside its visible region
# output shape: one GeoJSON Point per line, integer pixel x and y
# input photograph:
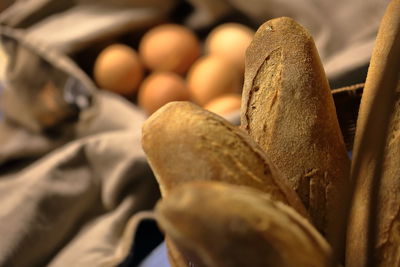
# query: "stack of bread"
{"type": "Point", "coordinates": [277, 190]}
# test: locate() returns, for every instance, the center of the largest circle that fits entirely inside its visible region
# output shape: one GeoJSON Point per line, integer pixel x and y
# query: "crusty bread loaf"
{"type": "Point", "coordinates": [287, 108]}
{"type": "Point", "coordinates": [217, 224]}
{"type": "Point", "coordinates": [175, 257]}
{"type": "Point", "coordinates": [381, 92]}
{"type": "Point", "coordinates": [388, 216]}
{"type": "Point", "coordinates": [184, 142]}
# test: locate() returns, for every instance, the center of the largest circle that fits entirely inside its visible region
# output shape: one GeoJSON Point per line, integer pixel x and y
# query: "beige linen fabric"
{"type": "Point", "coordinates": [70, 206]}
{"type": "Point", "coordinates": [72, 172]}
{"type": "Point", "coordinates": [344, 31]}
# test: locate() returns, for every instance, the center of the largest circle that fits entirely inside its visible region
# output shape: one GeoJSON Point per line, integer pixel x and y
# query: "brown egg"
{"type": "Point", "coordinates": [212, 76]}
{"type": "Point", "coordinates": [230, 40]}
{"type": "Point", "coordinates": [224, 104]}
{"type": "Point", "coordinates": [169, 47]}
{"type": "Point", "coordinates": [159, 88]}
{"type": "Point", "coordinates": [118, 69]}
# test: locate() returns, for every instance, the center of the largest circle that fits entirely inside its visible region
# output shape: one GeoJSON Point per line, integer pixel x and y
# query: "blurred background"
{"type": "Point", "coordinates": [188, 45]}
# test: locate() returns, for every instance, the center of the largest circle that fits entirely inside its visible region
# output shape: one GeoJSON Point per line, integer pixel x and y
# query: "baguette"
{"type": "Point", "coordinates": [184, 142]}
{"type": "Point", "coordinates": [373, 236]}
{"type": "Point", "coordinates": [175, 257]}
{"type": "Point", "coordinates": [288, 109]}
{"type": "Point", "coordinates": [221, 225]}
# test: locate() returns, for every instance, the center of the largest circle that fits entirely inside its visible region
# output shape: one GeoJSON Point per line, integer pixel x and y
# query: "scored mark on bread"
{"type": "Point", "coordinates": [389, 246]}
{"type": "Point", "coordinates": [394, 127]}
{"type": "Point", "coordinates": [264, 93]}
{"type": "Point", "coordinates": [319, 189]}
{"type": "Point", "coordinates": [221, 149]}
{"type": "Point", "coordinates": [209, 143]}
{"type": "Point", "coordinates": [303, 188]}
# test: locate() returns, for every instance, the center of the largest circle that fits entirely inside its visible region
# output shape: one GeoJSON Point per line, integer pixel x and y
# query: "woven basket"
{"type": "Point", "coordinates": [347, 101]}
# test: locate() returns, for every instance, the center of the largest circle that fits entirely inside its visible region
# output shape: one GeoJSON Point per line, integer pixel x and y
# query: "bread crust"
{"type": "Point", "coordinates": [222, 225]}
{"type": "Point", "coordinates": [381, 92]}
{"type": "Point", "coordinates": [184, 142]}
{"type": "Point", "coordinates": [288, 109]}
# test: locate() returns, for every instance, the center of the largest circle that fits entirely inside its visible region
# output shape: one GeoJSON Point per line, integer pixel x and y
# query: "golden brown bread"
{"type": "Point", "coordinates": [287, 108]}
{"type": "Point", "coordinates": [184, 142]}
{"type": "Point", "coordinates": [373, 156]}
{"type": "Point", "coordinates": [388, 243]}
{"type": "Point", "coordinates": [216, 224]}
{"type": "Point", "coordinates": [175, 257]}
